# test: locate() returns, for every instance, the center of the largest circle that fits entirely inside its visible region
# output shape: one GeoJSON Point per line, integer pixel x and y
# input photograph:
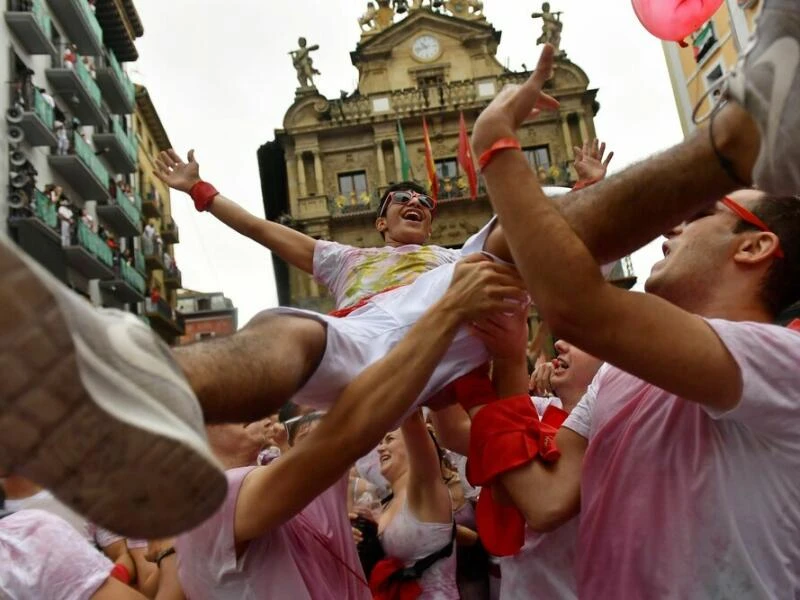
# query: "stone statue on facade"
{"type": "Point", "coordinates": [304, 64]}
{"type": "Point", "coordinates": [465, 9]}
{"type": "Point", "coordinates": [378, 18]}
{"type": "Point", "coordinates": [367, 20]}
{"type": "Point", "coordinates": [551, 28]}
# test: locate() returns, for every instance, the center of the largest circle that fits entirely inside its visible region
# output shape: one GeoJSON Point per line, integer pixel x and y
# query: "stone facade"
{"type": "Point", "coordinates": [432, 64]}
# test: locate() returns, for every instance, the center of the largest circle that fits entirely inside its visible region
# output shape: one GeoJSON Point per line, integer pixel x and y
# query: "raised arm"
{"type": "Point", "coordinates": [372, 403]}
{"type": "Point", "coordinates": [659, 342]}
{"type": "Point", "coordinates": [294, 247]}
{"type": "Point", "coordinates": [428, 496]}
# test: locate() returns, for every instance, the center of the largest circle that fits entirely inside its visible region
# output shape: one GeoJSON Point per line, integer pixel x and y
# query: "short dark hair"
{"type": "Point", "coordinates": [403, 186]}
{"type": "Point", "coordinates": [782, 282]}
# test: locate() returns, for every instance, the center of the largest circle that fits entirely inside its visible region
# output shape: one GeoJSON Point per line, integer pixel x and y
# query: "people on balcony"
{"type": "Point", "coordinates": [66, 220]}
{"type": "Point", "coordinates": [70, 56]}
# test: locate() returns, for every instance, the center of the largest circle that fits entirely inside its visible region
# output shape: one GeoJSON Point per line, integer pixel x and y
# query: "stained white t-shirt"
{"type": "Point", "coordinates": [352, 274]}
{"type": "Point", "coordinates": [678, 501]}
{"type": "Point", "coordinates": [43, 556]}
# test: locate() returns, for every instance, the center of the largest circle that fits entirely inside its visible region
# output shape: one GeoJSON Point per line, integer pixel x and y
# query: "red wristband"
{"type": "Point", "coordinates": [584, 183]}
{"type": "Point", "coordinates": [203, 194]}
{"type": "Point", "coordinates": [498, 146]}
{"type": "Point", "coordinates": [121, 572]}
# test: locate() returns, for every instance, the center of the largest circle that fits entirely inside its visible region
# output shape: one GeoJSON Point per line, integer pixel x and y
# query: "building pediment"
{"type": "Point", "coordinates": [305, 112]}
{"type": "Point", "coordinates": [381, 44]}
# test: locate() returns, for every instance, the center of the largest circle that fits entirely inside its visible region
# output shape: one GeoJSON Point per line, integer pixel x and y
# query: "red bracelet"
{"type": "Point", "coordinates": [498, 146]}
{"type": "Point", "coordinates": [121, 572]}
{"type": "Point", "coordinates": [203, 194]}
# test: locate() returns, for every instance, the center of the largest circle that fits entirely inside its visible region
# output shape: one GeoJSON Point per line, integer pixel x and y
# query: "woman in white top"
{"type": "Point", "coordinates": [418, 520]}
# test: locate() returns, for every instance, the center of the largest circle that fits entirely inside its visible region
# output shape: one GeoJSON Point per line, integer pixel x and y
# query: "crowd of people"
{"type": "Point", "coordinates": [403, 446]}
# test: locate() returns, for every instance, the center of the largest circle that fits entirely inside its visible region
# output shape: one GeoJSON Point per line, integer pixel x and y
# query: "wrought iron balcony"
{"type": "Point", "coordinates": [82, 170]}
{"type": "Point", "coordinates": [118, 148]}
{"type": "Point", "coordinates": [173, 278]}
{"type": "Point", "coordinates": [128, 285]}
{"type": "Point", "coordinates": [117, 88]}
{"type": "Point", "coordinates": [37, 122]}
{"type": "Point", "coordinates": [80, 25]}
{"type": "Point", "coordinates": [169, 232]}
{"type": "Point", "coordinates": [90, 255]}
{"type": "Point", "coordinates": [163, 317]}
{"type": "Point", "coordinates": [153, 254]}
{"type": "Point", "coordinates": [121, 215]}
{"type": "Point", "coordinates": [32, 26]}
{"type": "Point", "coordinates": [151, 205]}
{"type": "Point", "coordinates": [79, 90]}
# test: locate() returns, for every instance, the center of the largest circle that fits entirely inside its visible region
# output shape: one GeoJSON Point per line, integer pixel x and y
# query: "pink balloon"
{"type": "Point", "coordinates": [674, 20]}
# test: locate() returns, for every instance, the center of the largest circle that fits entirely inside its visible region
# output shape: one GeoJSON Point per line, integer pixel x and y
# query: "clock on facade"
{"type": "Point", "coordinates": [426, 47]}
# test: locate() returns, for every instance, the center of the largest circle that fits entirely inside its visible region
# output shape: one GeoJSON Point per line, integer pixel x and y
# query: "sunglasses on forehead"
{"type": "Point", "coordinates": [405, 198]}
{"type": "Point", "coordinates": [748, 217]}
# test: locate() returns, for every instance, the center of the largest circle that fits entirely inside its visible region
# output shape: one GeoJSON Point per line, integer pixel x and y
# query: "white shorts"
{"type": "Point", "coordinates": [369, 333]}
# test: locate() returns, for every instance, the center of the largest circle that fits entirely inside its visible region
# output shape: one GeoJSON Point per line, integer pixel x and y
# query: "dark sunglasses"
{"type": "Point", "coordinates": [748, 217]}
{"type": "Point", "coordinates": [405, 198]}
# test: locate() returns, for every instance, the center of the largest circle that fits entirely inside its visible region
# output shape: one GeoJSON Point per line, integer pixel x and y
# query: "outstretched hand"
{"type": "Point", "coordinates": [589, 163]}
{"type": "Point", "coordinates": [514, 105]}
{"type": "Point", "coordinates": [177, 174]}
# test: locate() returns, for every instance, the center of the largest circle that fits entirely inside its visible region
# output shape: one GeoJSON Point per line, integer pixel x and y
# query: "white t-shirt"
{"type": "Point", "coordinates": [678, 501]}
{"type": "Point", "coordinates": [44, 500]}
{"type": "Point", "coordinates": [545, 567]}
{"type": "Point", "coordinates": [42, 556]}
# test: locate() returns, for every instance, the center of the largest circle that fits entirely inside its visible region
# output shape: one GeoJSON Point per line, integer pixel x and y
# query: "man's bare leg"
{"type": "Point", "coordinates": [627, 210]}
{"type": "Point", "coordinates": [252, 373]}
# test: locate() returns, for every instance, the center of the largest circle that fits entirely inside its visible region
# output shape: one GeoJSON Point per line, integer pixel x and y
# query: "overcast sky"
{"type": "Point", "coordinates": [221, 79]}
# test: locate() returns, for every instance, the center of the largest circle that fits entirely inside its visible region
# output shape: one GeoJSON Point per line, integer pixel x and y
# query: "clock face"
{"type": "Point", "coordinates": [426, 47]}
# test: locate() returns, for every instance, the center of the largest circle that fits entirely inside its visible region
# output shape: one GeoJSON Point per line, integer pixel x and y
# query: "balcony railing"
{"type": "Point", "coordinates": [37, 119]}
{"type": "Point", "coordinates": [45, 210]}
{"type": "Point", "coordinates": [43, 109]}
{"type": "Point", "coordinates": [128, 207]}
{"type": "Point", "coordinates": [173, 277]}
{"type": "Point", "coordinates": [119, 149]}
{"type": "Point", "coordinates": [139, 262]}
{"type": "Point", "coordinates": [169, 231]}
{"type": "Point", "coordinates": [86, 154]}
{"type": "Point", "coordinates": [455, 95]}
{"type": "Point", "coordinates": [122, 76]}
{"type": "Point", "coordinates": [94, 244]}
{"type": "Point", "coordinates": [161, 310]}
{"type": "Point", "coordinates": [133, 277]}
{"type": "Point", "coordinates": [88, 81]}
{"type": "Point", "coordinates": [151, 206]}
{"type": "Point", "coordinates": [32, 25]}
{"type": "Point", "coordinates": [79, 24]}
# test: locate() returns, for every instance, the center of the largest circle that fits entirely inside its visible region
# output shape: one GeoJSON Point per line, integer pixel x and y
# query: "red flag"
{"type": "Point", "coordinates": [429, 164]}
{"type": "Point", "coordinates": [465, 158]}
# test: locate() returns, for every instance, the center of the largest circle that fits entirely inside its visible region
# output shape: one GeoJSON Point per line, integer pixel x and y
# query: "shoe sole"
{"type": "Point", "coordinates": [124, 478]}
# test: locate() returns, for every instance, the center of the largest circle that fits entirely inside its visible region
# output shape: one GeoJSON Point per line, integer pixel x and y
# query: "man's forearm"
{"type": "Point", "coordinates": [554, 263]}
{"type": "Point", "coordinates": [380, 396]}
{"type": "Point", "coordinates": [294, 247]}
{"type": "Point", "coordinates": [627, 210]}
